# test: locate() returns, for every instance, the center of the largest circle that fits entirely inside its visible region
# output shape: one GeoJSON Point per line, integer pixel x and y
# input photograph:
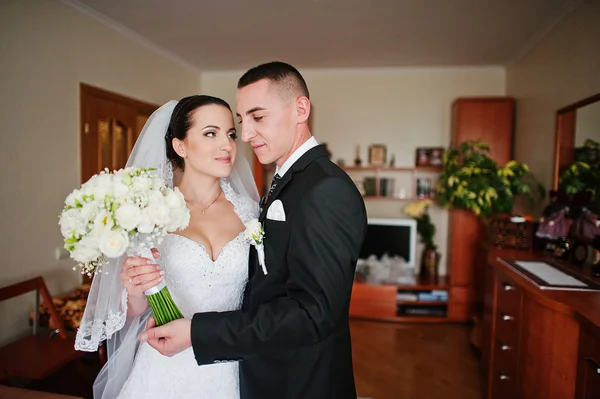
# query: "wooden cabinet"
{"type": "Point", "coordinates": [588, 363]}
{"type": "Point", "coordinates": [505, 344]}
{"type": "Point", "coordinates": [373, 301]}
{"type": "Point", "coordinates": [538, 343]}
{"type": "Point", "coordinates": [489, 119]}
{"type": "Point", "coordinates": [385, 301]}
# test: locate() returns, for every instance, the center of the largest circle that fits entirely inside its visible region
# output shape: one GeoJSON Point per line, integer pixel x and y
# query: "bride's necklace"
{"type": "Point", "coordinates": [204, 210]}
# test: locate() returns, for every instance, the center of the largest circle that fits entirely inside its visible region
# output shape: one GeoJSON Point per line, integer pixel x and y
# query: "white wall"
{"type": "Point", "coordinates": [46, 50]}
{"type": "Point", "coordinates": [563, 68]}
{"type": "Point", "coordinates": [402, 108]}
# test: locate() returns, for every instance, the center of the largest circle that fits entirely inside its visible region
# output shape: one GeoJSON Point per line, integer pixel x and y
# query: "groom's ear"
{"type": "Point", "coordinates": [302, 109]}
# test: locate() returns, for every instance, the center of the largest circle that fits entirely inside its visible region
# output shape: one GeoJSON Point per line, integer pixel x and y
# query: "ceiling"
{"type": "Point", "coordinates": [236, 34]}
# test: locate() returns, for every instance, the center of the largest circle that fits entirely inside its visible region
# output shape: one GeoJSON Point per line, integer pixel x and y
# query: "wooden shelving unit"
{"type": "Point", "coordinates": [264, 173]}
{"type": "Point", "coordinates": [380, 302]}
{"type": "Point", "coordinates": [378, 172]}
{"type": "Point", "coordinates": [383, 198]}
{"type": "Point", "coordinates": [429, 283]}
{"type": "Point", "coordinates": [423, 303]}
{"type": "Point", "coordinates": [394, 169]}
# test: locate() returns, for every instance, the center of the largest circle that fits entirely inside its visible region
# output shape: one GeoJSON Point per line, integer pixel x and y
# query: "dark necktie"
{"type": "Point", "coordinates": [276, 178]}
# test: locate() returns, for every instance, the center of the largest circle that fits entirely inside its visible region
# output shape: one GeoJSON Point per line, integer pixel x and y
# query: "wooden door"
{"type": "Point", "coordinates": [110, 125]}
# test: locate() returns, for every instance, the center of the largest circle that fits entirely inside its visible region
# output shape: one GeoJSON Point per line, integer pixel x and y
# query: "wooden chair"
{"type": "Point", "coordinates": [35, 356]}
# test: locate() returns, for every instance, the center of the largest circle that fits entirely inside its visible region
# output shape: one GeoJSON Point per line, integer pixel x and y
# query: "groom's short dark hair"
{"type": "Point", "coordinates": [283, 75]}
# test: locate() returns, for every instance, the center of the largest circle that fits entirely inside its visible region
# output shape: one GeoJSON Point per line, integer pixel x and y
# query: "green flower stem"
{"type": "Point", "coordinates": [163, 307]}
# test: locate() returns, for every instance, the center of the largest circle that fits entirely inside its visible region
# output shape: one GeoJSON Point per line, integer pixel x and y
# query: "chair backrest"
{"type": "Point", "coordinates": [38, 285]}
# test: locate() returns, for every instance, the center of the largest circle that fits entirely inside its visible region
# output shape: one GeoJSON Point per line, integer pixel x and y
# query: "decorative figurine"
{"type": "Point", "coordinates": [357, 160]}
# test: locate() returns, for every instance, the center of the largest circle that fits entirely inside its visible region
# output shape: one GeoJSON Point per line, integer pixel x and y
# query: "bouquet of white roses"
{"type": "Point", "coordinates": [127, 210]}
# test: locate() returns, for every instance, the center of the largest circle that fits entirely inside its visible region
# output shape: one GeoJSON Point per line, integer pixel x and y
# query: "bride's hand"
{"type": "Point", "coordinates": [139, 274]}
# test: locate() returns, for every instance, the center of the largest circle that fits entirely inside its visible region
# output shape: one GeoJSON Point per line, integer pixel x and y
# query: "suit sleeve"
{"type": "Point", "coordinates": [325, 238]}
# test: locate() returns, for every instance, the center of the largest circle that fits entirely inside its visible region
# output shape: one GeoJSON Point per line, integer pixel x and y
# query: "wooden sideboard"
{"type": "Point", "coordinates": [538, 343]}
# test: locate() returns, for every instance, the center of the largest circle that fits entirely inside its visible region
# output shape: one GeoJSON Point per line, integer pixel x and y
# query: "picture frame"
{"type": "Point", "coordinates": [429, 156]}
{"type": "Point", "coordinates": [377, 154]}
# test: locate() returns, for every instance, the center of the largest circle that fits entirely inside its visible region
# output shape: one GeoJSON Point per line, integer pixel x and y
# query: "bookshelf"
{"type": "Point", "coordinates": [264, 173]}
{"type": "Point", "coordinates": [371, 180]}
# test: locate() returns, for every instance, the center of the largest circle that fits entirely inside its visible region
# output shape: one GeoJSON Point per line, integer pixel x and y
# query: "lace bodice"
{"type": "Point", "coordinates": [197, 284]}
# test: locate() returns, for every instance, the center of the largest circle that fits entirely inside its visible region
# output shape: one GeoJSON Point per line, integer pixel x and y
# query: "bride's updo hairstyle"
{"type": "Point", "coordinates": [182, 121]}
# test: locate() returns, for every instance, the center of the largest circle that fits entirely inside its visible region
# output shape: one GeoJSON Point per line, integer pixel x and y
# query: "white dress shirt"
{"type": "Point", "coordinates": [307, 145]}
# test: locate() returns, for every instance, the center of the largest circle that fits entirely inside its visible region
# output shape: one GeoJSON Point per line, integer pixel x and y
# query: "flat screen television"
{"type": "Point", "coordinates": [392, 236]}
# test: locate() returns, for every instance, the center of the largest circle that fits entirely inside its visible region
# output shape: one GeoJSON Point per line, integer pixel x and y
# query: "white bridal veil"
{"type": "Point", "coordinates": [105, 315]}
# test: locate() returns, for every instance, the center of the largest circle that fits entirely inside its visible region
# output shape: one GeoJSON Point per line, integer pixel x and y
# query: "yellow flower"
{"type": "Point", "coordinates": [511, 164]}
{"type": "Point", "coordinates": [417, 209]}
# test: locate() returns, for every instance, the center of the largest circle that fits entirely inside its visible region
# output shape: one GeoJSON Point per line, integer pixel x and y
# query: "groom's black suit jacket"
{"type": "Point", "coordinates": [292, 335]}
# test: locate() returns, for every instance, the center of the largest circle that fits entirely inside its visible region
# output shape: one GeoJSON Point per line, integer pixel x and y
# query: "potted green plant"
{"type": "Point", "coordinates": [473, 181]}
{"type": "Point", "coordinates": [583, 175]}
{"type": "Point", "coordinates": [430, 258]}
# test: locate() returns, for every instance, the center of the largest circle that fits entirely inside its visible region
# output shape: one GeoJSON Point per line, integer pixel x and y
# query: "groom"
{"type": "Point", "coordinates": [292, 335]}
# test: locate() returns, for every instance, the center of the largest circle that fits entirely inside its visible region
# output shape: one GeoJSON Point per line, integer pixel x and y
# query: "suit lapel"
{"type": "Point", "coordinates": [298, 166]}
{"type": "Point", "coordinates": [280, 185]}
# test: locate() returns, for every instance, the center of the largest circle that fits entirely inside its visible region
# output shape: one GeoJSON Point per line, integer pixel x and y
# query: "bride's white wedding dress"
{"type": "Point", "coordinates": [197, 284]}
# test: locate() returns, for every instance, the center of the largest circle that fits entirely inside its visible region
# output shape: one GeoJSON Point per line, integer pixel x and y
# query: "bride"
{"type": "Point", "coordinates": [205, 266]}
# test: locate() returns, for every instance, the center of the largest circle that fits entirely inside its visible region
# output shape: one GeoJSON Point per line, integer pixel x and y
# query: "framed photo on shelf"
{"type": "Point", "coordinates": [377, 154]}
{"type": "Point", "coordinates": [429, 156]}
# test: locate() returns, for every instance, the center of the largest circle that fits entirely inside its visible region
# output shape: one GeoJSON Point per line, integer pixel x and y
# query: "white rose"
{"type": "Point", "coordinates": [86, 250]}
{"type": "Point", "coordinates": [156, 197]}
{"type": "Point", "coordinates": [159, 213]}
{"type": "Point", "coordinates": [72, 222]}
{"type": "Point", "coordinates": [142, 183]}
{"type": "Point", "coordinates": [103, 186]}
{"type": "Point", "coordinates": [146, 225]}
{"type": "Point", "coordinates": [120, 189]}
{"type": "Point", "coordinates": [114, 243]}
{"type": "Point", "coordinates": [175, 199]}
{"type": "Point", "coordinates": [179, 219]}
{"type": "Point", "coordinates": [90, 210]}
{"type": "Point", "coordinates": [88, 188]}
{"type": "Point", "coordinates": [128, 216]}
{"type": "Point", "coordinates": [88, 185]}
{"type": "Point", "coordinates": [253, 227]}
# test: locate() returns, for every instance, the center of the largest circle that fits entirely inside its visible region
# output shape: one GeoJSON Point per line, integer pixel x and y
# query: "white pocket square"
{"type": "Point", "coordinates": [276, 212]}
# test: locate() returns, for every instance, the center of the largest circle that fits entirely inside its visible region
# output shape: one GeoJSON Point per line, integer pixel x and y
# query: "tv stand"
{"type": "Point", "coordinates": [391, 302]}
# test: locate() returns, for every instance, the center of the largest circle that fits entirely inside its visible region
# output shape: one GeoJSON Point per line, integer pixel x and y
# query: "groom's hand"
{"type": "Point", "coordinates": [169, 339]}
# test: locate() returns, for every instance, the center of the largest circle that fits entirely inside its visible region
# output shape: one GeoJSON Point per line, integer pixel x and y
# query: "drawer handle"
{"type": "Point", "coordinates": [506, 317]}
{"type": "Point", "coordinates": [508, 287]}
{"type": "Point", "coordinates": [594, 363]}
{"type": "Point", "coordinates": [505, 347]}
{"type": "Point", "coordinates": [504, 377]}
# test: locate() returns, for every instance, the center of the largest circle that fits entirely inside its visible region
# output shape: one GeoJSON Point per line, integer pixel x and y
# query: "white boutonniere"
{"type": "Point", "coordinates": [255, 234]}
